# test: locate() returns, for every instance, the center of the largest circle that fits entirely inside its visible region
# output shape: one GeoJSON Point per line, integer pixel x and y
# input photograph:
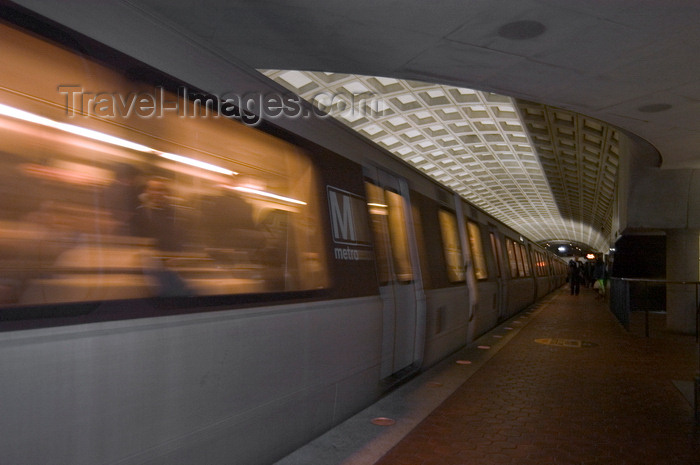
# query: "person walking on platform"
{"type": "Point", "coordinates": [575, 275]}
{"type": "Point", "coordinates": [600, 277]}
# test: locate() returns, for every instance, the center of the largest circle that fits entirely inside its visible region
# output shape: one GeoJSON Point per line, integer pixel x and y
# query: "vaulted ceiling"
{"type": "Point", "coordinates": [547, 173]}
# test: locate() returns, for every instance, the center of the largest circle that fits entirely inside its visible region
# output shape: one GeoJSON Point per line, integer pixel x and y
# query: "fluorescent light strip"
{"type": "Point", "coordinates": [77, 130]}
{"type": "Point", "coordinates": [380, 205]}
{"type": "Point", "coordinates": [197, 163]}
{"type": "Point", "coordinates": [16, 113]}
{"type": "Point", "coordinates": [267, 194]}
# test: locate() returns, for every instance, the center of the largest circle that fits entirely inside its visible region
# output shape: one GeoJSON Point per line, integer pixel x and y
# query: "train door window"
{"type": "Point", "coordinates": [512, 258]}
{"type": "Point", "coordinates": [535, 263]}
{"type": "Point", "coordinates": [526, 260]}
{"type": "Point", "coordinates": [388, 217]}
{"type": "Point", "coordinates": [496, 252]}
{"type": "Point", "coordinates": [477, 251]}
{"type": "Point", "coordinates": [451, 246]}
{"type": "Point", "coordinates": [379, 214]}
{"type": "Point", "coordinates": [544, 264]}
{"type": "Point", "coordinates": [399, 236]}
{"type": "Point", "coordinates": [420, 240]}
{"type": "Point", "coordinates": [519, 259]}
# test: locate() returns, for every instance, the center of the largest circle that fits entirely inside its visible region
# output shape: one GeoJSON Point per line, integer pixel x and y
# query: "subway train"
{"type": "Point", "coordinates": [180, 288]}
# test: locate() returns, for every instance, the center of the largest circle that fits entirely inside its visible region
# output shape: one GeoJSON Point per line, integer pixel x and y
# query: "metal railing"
{"type": "Point", "coordinates": [633, 294]}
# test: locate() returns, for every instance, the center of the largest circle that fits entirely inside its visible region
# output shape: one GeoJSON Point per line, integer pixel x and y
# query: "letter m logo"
{"type": "Point", "coordinates": [348, 221]}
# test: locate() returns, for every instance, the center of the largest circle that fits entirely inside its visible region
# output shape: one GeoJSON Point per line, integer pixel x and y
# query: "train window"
{"type": "Point", "coordinates": [544, 264]}
{"type": "Point", "coordinates": [420, 240]}
{"type": "Point", "coordinates": [101, 204]}
{"type": "Point", "coordinates": [451, 246]}
{"type": "Point", "coordinates": [379, 214]}
{"type": "Point", "coordinates": [519, 259]}
{"type": "Point", "coordinates": [388, 216]}
{"type": "Point", "coordinates": [526, 261]}
{"type": "Point", "coordinates": [477, 250]}
{"type": "Point", "coordinates": [535, 263]}
{"type": "Point", "coordinates": [399, 236]}
{"type": "Point", "coordinates": [496, 252]}
{"type": "Point", "coordinates": [512, 258]}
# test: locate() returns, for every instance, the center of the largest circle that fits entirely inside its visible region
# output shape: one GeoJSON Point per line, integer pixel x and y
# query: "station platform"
{"type": "Point", "coordinates": [560, 383]}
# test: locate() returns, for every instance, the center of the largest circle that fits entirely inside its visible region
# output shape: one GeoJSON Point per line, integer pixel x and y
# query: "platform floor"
{"type": "Point", "coordinates": [561, 383]}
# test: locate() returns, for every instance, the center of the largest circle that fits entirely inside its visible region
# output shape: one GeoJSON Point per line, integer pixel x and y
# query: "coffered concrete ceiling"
{"type": "Point", "coordinates": [477, 144]}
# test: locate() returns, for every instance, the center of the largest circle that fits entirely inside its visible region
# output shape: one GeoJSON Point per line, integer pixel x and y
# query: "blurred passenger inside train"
{"type": "Point", "coordinates": [121, 199]}
{"type": "Point", "coordinates": [156, 216]}
{"type": "Point", "coordinates": [228, 220]}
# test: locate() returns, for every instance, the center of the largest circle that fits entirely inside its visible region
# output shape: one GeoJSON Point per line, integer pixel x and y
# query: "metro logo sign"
{"type": "Point", "coordinates": [343, 218]}
{"type": "Point", "coordinates": [349, 224]}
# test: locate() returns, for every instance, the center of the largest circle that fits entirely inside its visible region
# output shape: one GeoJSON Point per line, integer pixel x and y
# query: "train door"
{"type": "Point", "coordinates": [387, 200]}
{"type": "Point", "coordinates": [497, 254]}
{"type": "Point", "coordinates": [471, 289]}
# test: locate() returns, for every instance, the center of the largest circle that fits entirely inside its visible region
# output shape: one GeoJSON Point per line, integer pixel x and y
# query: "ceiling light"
{"type": "Point", "coordinates": [522, 30]}
{"type": "Point", "coordinates": [654, 107]}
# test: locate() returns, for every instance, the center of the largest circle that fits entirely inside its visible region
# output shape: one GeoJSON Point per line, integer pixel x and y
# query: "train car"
{"type": "Point", "coordinates": [177, 286]}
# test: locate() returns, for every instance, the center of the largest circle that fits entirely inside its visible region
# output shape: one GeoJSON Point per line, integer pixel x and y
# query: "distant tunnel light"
{"type": "Point", "coordinates": [6, 110]}
{"type": "Point", "coordinates": [562, 248]}
{"type": "Point", "coordinates": [250, 190]}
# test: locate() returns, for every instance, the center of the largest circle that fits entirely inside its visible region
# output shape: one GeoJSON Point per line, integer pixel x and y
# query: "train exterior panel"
{"type": "Point", "coordinates": [180, 389]}
{"type": "Point", "coordinates": [294, 272]}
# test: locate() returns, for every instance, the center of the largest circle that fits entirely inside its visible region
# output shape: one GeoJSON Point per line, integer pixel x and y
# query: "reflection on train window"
{"type": "Point", "coordinates": [496, 253]}
{"type": "Point", "coordinates": [512, 261]}
{"type": "Point", "coordinates": [388, 216]}
{"type": "Point", "coordinates": [126, 207]}
{"type": "Point", "coordinates": [451, 246]}
{"type": "Point", "coordinates": [477, 250]}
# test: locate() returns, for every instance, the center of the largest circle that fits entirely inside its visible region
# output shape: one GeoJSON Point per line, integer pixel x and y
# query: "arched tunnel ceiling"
{"type": "Point", "coordinates": [547, 173]}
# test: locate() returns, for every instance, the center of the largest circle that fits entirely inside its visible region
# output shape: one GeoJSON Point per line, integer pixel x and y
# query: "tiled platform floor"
{"type": "Point", "coordinates": [610, 402]}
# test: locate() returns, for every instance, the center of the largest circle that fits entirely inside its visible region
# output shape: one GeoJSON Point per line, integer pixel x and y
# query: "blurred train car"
{"type": "Point", "coordinates": [182, 288]}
